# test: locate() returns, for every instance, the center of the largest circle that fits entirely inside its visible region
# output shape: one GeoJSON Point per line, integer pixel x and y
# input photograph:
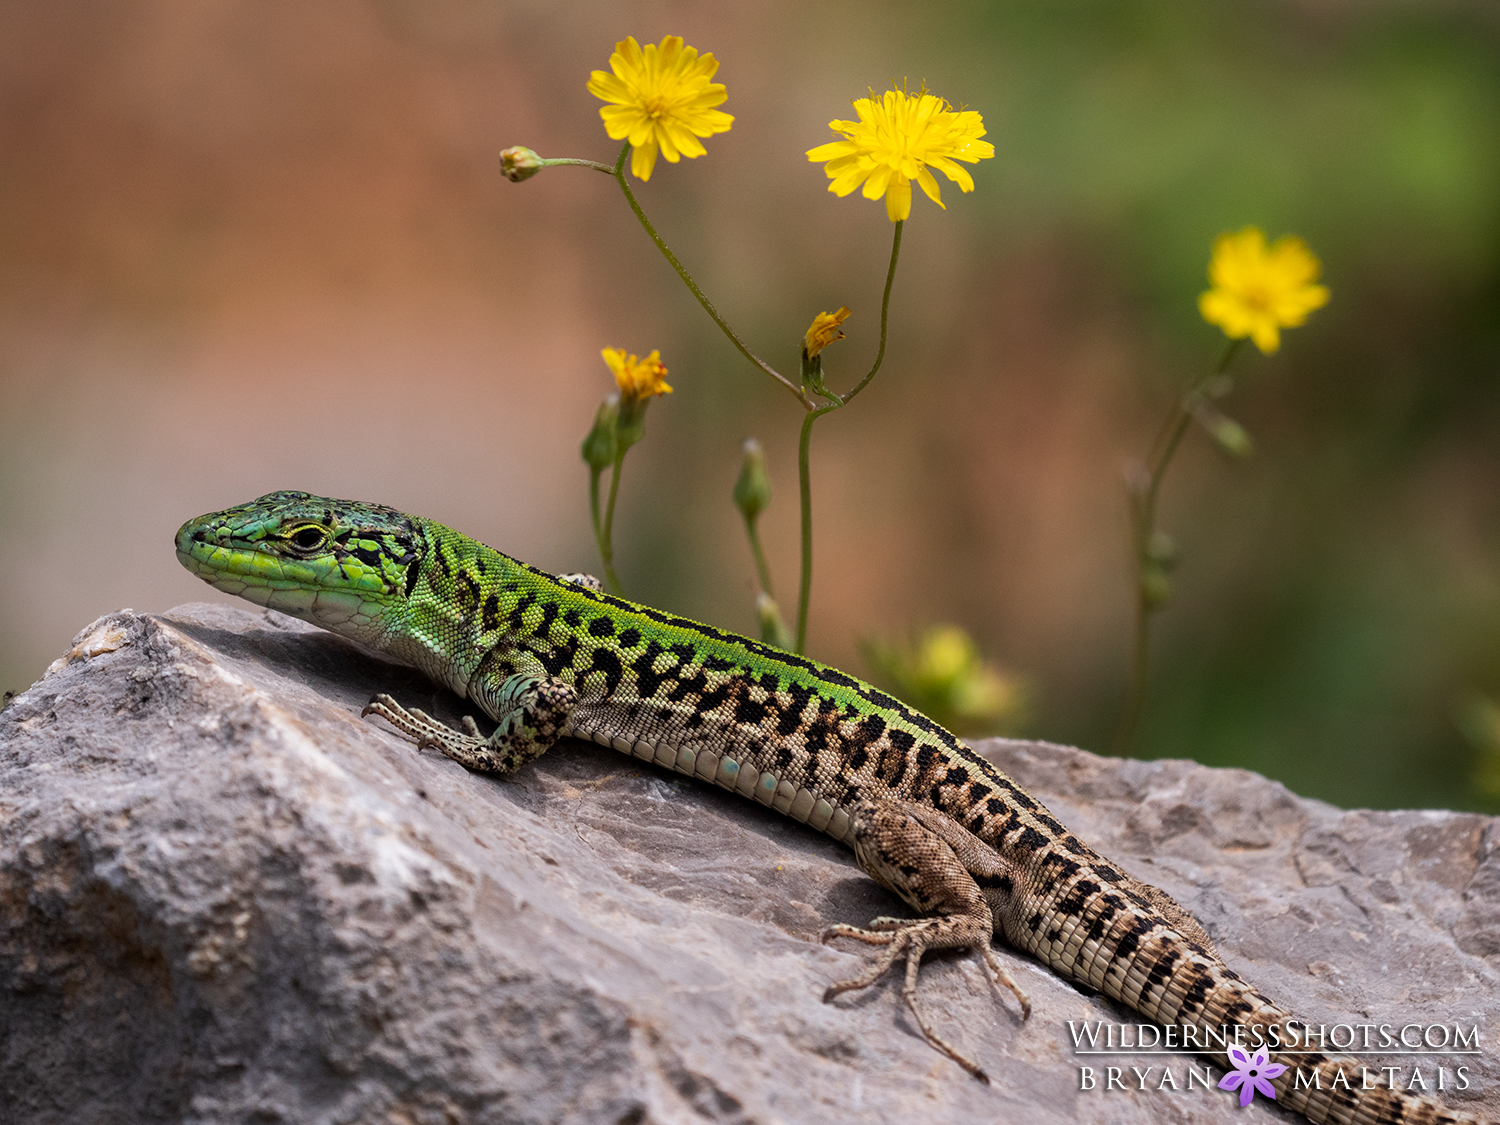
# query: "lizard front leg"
{"type": "Point", "coordinates": [931, 863]}
{"type": "Point", "coordinates": [531, 708]}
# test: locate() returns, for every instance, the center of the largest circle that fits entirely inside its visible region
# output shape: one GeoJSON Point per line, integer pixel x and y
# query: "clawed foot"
{"type": "Point", "coordinates": [469, 748]}
{"type": "Point", "coordinates": [912, 938]}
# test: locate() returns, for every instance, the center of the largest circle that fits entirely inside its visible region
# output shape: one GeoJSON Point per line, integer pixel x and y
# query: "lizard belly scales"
{"type": "Point", "coordinates": [927, 817]}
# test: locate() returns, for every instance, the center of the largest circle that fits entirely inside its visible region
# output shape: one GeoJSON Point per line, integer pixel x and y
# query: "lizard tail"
{"type": "Point", "coordinates": [1137, 946]}
{"type": "Point", "coordinates": [1179, 981]}
{"type": "Point", "coordinates": [1322, 1086]}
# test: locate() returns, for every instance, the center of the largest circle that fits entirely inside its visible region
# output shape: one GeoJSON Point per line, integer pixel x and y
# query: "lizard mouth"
{"type": "Point", "coordinates": [215, 555]}
{"type": "Point", "coordinates": [336, 593]}
{"type": "Point", "coordinates": [235, 566]}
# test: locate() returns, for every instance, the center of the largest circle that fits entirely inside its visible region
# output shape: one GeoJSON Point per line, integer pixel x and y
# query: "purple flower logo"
{"type": "Point", "coordinates": [1252, 1074]}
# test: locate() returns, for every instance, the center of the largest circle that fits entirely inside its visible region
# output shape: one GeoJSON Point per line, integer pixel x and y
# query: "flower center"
{"type": "Point", "coordinates": [1258, 297]}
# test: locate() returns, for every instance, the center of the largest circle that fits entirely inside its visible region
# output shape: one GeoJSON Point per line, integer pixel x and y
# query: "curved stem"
{"type": "Point", "coordinates": [885, 307]}
{"type": "Point", "coordinates": [594, 507]}
{"type": "Point", "coordinates": [687, 279]}
{"type": "Point", "coordinates": [1182, 415]}
{"type": "Point", "coordinates": [761, 568]}
{"type": "Point", "coordinates": [804, 483]}
{"type": "Point", "coordinates": [551, 161]}
{"type": "Point", "coordinates": [606, 540]}
{"type": "Point", "coordinates": [804, 471]}
{"type": "Point", "coordinates": [1130, 717]}
{"type": "Point", "coordinates": [1143, 525]}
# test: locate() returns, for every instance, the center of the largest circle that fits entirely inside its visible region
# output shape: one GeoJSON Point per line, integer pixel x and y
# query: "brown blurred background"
{"type": "Point", "coordinates": [256, 245]}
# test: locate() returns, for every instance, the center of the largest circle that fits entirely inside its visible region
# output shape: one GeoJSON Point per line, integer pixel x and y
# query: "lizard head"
{"type": "Point", "coordinates": [341, 564]}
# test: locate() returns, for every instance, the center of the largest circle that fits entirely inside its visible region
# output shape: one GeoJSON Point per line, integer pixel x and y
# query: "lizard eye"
{"type": "Point", "coordinates": [310, 538]}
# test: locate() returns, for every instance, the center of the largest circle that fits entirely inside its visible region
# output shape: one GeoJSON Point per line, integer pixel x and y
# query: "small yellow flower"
{"type": "Point", "coordinates": [895, 141]}
{"type": "Point", "coordinates": [638, 379]}
{"type": "Point", "coordinates": [825, 330]}
{"type": "Point", "coordinates": [663, 100]}
{"type": "Point", "coordinates": [1259, 290]}
{"type": "Point", "coordinates": [946, 675]}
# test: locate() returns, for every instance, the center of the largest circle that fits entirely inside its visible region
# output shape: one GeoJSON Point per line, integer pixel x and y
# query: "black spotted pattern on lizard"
{"type": "Point", "coordinates": [927, 817]}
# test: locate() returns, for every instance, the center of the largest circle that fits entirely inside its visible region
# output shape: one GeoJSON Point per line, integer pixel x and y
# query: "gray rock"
{"type": "Point", "coordinates": [225, 897]}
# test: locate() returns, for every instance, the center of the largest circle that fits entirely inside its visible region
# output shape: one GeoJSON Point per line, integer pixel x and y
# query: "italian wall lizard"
{"type": "Point", "coordinates": [931, 820]}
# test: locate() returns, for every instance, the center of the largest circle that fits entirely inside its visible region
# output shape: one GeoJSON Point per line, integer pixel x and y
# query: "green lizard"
{"type": "Point", "coordinates": [928, 818]}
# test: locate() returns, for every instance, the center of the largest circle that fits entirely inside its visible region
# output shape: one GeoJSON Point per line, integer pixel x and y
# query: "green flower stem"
{"type": "Point", "coordinates": [1143, 528]}
{"type": "Point", "coordinates": [594, 506]}
{"type": "Point", "coordinates": [885, 307]}
{"type": "Point", "coordinates": [1130, 717]}
{"type": "Point", "coordinates": [761, 568]}
{"type": "Point", "coordinates": [606, 537]}
{"type": "Point", "coordinates": [804, 482]}
{"type": "Point", "coordinates": [687, 279]}
{"type": "Point", "coordinates": [551, 161]}
{"type": "Point", "coordinates": [814, 411]}
{"type": "Point", "coordinates": [804, 474]}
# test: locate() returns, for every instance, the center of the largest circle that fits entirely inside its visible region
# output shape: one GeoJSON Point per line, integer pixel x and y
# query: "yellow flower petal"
{"type": "Point", "coordinates": [825, 330]}
{"type": "Point", "coordinates": [643, 160]}
{"type": "Point", "coordinates": [831, 151]}
{"type": "Point", "coordinates": [898, 199]}
{"type": "Point", "coordinates": [1266, 335]}
{"type": "Point", "coordinates": [637, 378]}
{"type": "Point", "coordinates": [662, 100]}
{"type": "Point", "coordinates": [608, 87]}
{"type": "Point", "coordinates": [897, 138]}
{"type": "Point", "coordinates": [955, 172]}
{"type": "Point", "coordinates": [1259, 290]}
{"type": "Point", "coordinates": [879, 179]}
{"type": "Point", "coordinates": [930, 187]}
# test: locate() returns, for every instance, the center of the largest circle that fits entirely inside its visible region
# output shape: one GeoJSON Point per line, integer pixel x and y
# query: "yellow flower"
{"type": "Point", "coordinates": [663, 100]}
{"type": "Point", "coordinates": [1259, 290]}
{"type": "Point", "coordinates": [637, 378]}
{"type": "Point", "coordinates": [895, 141]}
{"type": "Point", "coordinates": [946, 675]}
{"type": "Point", "coordinates": [824, 331]}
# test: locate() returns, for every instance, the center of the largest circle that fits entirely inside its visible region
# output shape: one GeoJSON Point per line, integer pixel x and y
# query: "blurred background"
{"type": "Point", "coordinates": [247, 246]}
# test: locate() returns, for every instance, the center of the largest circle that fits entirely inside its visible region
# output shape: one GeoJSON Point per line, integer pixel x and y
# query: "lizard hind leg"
{"type": "Point", "coordinates": [927, 860]}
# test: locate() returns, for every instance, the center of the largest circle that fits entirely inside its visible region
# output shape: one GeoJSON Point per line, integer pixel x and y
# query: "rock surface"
{"type": "Point", "coordinates": [225, 897]}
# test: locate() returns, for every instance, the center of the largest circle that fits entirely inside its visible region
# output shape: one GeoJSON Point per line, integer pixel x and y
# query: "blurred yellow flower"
{"type": "Point", "coordinates": [1259, 290]}
{"type": "Point", "coordinates": [945, 675]}
{"type": "Point", "coordinates": [663, 100]}
{"type": "Point", "coordinates": [896, 139]}
{"type": "Point", "coordinates": [825, 330]}
{"type": "Point", "coordinates": [637, 378]}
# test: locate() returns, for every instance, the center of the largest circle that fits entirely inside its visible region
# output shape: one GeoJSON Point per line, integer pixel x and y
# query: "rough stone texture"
{"type": "Point", "coordinates": [225, 897]}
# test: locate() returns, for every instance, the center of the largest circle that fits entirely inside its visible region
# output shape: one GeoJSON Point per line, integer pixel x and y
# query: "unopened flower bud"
{"type": "Point", "coordinates": [1228, 434]}
{"type": "Point", "coordinates": [1161, 549]}
{"type": "Point", "coordinates": [1156, 587]}
{"type": "Point", "coordinates": [599, 447]}
{"type": "Point", "coordinates": [1218, 386]}
{"type": "Point", "coordinates": [752, 492]}
{"type": "Point", "coordinates": [518, 163]}
{"type": "Point", "coordinates": [773, 630]}
{"type": "Point", "coordinates": [1232, 437]}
